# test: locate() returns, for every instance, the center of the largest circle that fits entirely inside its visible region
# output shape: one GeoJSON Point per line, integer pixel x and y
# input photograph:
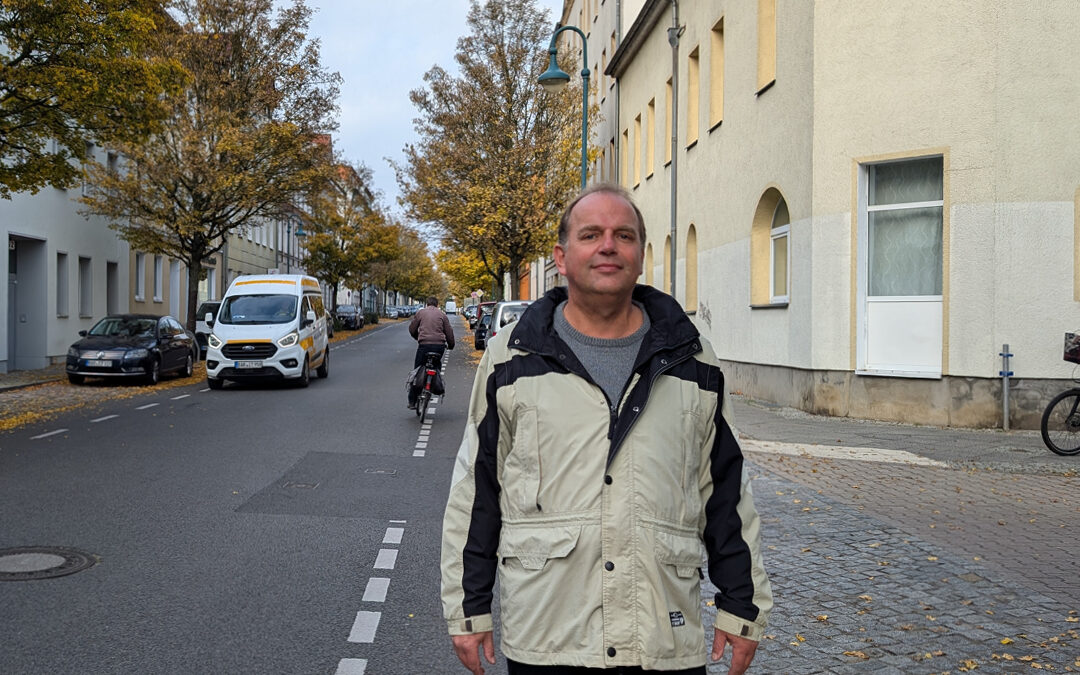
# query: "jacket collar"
{"type": "Point", "coordinates": [670, 328]}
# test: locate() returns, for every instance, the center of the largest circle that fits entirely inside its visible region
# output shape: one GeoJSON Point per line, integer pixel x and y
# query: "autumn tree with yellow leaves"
{"type": "Point", "coordinates": [242, 142]}
{"type": "Point", "coordinates": [74, 72]}
{"type": "Point", "coordinates": [498, 157]}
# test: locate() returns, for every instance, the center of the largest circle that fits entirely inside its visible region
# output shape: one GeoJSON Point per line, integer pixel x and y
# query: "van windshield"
{"type": "Point", "coordinates": [258, 309]}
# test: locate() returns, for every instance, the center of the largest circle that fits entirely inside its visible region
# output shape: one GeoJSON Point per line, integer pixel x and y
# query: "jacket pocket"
{"type": "Point", "coordinates": [521, 469]}
{"type": "Point", "coordinates": [681, 552]}
{"type": "Point", "coordinates": [534, 546]}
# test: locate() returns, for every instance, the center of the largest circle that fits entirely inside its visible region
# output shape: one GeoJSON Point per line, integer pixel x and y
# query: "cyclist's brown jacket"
{"type": "Point", "coordinates": [595, 520]}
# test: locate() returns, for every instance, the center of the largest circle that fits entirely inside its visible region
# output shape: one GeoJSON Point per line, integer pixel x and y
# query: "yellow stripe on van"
{"type": "Point", "coordinates": [310, 283]}
{"type": "Point", "coordinates": [265, 281]}
{"type": "Point", "coordinates": [306, 343]}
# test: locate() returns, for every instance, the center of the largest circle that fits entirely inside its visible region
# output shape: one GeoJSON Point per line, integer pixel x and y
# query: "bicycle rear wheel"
{"type": "Point", "coordinates": [1061, 423]}
{"type": "Point", "coordinates": [421, 405]}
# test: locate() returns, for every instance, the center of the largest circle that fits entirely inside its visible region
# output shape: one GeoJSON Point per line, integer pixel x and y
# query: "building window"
{"type": "Point", "coordinates": [603, 74]}
{"type": "Point", "coordinates": [693, 92]}
{"type": "Point", "coordinates": [665, 283]}
{"type": "Point", "coordinates": [624, 159]}
{"type": "Point", "coordinates": [611, 160]}
{"type": "Point", "coordinates": [691, 303]}
{"type": "Point", "coordinates": [770, 253]}
{"type": "Point", "coordinates": [62, 284]}
{"type": "Point", "coordinates": [612, 52]}
{"type": "Point", "coordinates": [716, 76]}
{"type": "Point", "coordinates": [650, 138]}
{"type": "Point", "coordinates": [667, 123]}
{"type": "Point", "coordinates": [140, 277]}
{"type": "Point", "coordinates": [766, 52]}
{"type": "Point", "coordinates": [637, 150]}
{"type": "Point", "coordinates": [159, 272]}
{"type": "Point", "coordinates": [779, 253]}
{"type": "Point", "coordinates": [904, 208]}
{"type": "Point", "coordinates": [649, 264]}
{"type": "Point", "coordinates": [86, 288]}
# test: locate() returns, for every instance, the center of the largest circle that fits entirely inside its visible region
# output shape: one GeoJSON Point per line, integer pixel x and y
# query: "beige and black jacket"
{"type": "Point", "coordinates": [594, 516]}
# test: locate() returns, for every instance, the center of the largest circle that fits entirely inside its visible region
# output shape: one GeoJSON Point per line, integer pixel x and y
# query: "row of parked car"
{"type": "Point", "coordinates": [486, 319]}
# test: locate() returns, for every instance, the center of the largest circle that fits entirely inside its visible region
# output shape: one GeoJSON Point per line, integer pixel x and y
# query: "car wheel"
{"type": "Point", "coordinates": [324, 368]}
{"type": "Point", "coordinates": [305, 375]}
{"type": "Point", "coordinates": [215, 382]}
{"type": "Point", "coordinates": [189, 366]}
{"type": "Point", "coordinates": [153, 375]}
{"type": "Point", "coordinates": [76, 379]}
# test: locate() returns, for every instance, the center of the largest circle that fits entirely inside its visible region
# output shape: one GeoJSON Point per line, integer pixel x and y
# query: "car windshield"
{"type": "Point", "coordinates": [346, 309]}
{"type": "Point", "coordinates": [511, 314]}
{"type": "Point", "coordinates": [118, 326]}
{"type": "Point", "coordinates": [258, 309]}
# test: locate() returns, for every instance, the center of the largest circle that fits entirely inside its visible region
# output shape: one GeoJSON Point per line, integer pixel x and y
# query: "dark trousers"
{"type": "Point", "coordinates": [421, 358]}
{"type": "Point", "coordinates": [515, 668]}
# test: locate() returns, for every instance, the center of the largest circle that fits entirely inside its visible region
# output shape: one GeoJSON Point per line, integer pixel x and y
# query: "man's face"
{"type": "Point", "coordinates": [603, 253]}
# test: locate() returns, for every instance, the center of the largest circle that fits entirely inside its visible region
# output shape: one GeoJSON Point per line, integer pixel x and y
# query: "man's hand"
{"type": "Point", "coordinates": [742, 650]}
{"type": "Point", "coordinates": [466, 648]}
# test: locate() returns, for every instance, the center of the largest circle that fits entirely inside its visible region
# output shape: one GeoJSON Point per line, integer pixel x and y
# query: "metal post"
{"type": "Point", "coordinates": [1005, 374]}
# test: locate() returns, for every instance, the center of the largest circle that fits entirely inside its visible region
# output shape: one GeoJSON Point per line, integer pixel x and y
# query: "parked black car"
{"type": "Point", "coordinates": [480, 334]}
{"type": "Point", "coordinates": [350, 316]}
{"type": "Point", "coordinates": [132, 345]}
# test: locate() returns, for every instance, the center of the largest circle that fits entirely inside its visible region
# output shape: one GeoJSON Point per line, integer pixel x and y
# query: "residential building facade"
{"type": "Point", "coordinates": [865, 206]}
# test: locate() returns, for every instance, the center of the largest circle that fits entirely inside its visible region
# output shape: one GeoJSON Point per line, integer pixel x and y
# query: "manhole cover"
{"type": "Point", "coordinates": [41, 562]}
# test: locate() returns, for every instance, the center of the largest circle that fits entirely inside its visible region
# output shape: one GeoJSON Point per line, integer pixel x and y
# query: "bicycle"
{"type": "Point", "coordinates": [424, 397]}
{"type": "Point", "coordinates": [1061, 419]}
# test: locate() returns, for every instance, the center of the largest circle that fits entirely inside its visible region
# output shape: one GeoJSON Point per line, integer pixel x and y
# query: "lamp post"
{"type": "Point", "coordinates": [288, 240]}
{"type": "Point", "coordinates": [554, 79]}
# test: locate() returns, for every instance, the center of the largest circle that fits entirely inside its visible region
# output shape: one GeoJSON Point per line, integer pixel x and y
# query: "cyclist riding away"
{"type": "Point", "coordinates": [431, 329]}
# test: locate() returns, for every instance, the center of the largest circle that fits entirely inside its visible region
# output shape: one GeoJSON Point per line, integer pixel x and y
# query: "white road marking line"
{"type": "Point", "coordinates": [351, 667]}
{"type": "Point", "coordinates": [148, 405]}
{"type": "Point", "coordinates": [202, 390]}
{"type": "Point", "coordinates": [424, 436]}
{"type": "Point", "coordinates": [102, 419]}
{"type": "Point", "coordinates": [393, 535]}
{"type": "Point", "coordinates": [420, 445]}
{"type": "Point", "coordinates": [839, 452]}
{"type": "Point", "coordinates": [419, 453]}
{"type": "Point", "coordinates": [363, 629]}
{"type": "Point", "coordinates": [51, 433]}
{"type": "Point", "coordinates": [386, 559]}
{"type": "Point", "coordinates": [426, 426]}
{"type": "Point", "coordinates": [398, 522]}
{"type": "Point", "coordinates": [177, 398]}
{"type": "Point", "coordinates": [376, 589]}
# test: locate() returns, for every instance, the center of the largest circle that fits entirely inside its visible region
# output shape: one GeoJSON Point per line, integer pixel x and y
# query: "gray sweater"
{"type": "Point", "coordinates": [610, 363]}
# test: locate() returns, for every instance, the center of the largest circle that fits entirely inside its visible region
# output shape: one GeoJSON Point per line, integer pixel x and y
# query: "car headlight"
{"type": "Point", "coordinates": [289, 340]}
{"type": "Point", "coordinates": [214, 341]}
{"type": "Point", "coordinates": [134, 354]}
{"type": "Point", "coordinates": [73, 352]}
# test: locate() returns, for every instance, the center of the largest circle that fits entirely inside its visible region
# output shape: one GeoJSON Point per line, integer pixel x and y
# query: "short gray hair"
{"type": "Point", "coordinates": [606, 188]}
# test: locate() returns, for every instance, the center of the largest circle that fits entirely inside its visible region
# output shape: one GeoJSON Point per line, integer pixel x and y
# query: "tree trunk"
{"type": "Point", "coordinates": [515, 285]}
{"type": "Point", "coordinates": [194, 267]}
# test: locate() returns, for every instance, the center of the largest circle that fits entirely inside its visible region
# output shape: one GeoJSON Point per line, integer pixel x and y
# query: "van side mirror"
{"type": "Point", "coordinates": [309, 318]}
{"type": "Point", "coordinates": [209, 319]}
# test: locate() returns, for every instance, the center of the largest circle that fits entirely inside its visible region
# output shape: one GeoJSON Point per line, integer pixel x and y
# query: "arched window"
{"type": "Point", "coordinates": [770, 252]}
{"type": "Point", "coordinates": [648, 264]}
{"type": "Point", "coordinates": [691, 303]}
{"type": "Point", "coordinates": [665, 283]}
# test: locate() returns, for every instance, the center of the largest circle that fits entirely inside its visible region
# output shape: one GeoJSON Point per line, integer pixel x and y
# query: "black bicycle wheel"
{"type": "Point", "coordinates": [421, 404]}
{"type": "Point", "coordinates": [1061, 423]}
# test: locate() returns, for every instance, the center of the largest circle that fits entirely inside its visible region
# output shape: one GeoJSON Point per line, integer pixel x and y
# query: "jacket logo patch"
{"type": "Point", "coordinates": [676, 619]}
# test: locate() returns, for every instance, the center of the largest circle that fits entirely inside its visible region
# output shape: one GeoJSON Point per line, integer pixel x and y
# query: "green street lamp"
{"type": "Point", "coordinates": [288, 240]}
{"type": "Point", "coordinates": [554, 79]}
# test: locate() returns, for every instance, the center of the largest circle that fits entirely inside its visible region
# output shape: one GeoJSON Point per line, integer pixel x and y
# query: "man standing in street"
{"type": "Point", "coordinates": [597, 462]}
{"type": "Point", "coordinates": [431, 329]}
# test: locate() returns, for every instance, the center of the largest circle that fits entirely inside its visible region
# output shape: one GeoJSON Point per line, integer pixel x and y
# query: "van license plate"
{"type": "Point", "coordinates": [97, 363]}
{"type": "Point", "coordinates": [248, 364]}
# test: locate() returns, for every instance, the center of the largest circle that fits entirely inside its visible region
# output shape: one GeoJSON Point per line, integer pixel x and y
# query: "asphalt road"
{"type": "Point", "coordinates": [250, 530]}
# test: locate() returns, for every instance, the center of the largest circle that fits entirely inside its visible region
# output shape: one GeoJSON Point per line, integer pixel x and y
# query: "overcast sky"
{"type": "Point", "coordinates": [382, 48]}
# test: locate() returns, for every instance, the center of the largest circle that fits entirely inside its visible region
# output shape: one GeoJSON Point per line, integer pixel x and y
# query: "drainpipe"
{"type": "Point", "coordinates": [673, 39]}
{"type": "Point", "coordinates": [1005, 374]}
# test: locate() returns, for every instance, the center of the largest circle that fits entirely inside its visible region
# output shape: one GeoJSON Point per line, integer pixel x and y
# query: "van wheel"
{"type": "Point", "coordinates": [305, 375]}
{"type": "Point", "coordinates": [215, 382]}
{"type": "Point", "coordinates": [324, 368]}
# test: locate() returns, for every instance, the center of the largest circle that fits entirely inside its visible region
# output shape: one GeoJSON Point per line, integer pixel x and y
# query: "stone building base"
{"type": "Point", "coordinates": [952, 401]}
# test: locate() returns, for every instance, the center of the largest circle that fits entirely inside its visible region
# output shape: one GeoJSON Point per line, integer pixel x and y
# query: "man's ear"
{"type": "Point", "coordinates": [559, 255]}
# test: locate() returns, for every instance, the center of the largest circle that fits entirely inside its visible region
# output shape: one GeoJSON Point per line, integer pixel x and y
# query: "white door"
{"type": "Point", "coordinates": [900, 263]}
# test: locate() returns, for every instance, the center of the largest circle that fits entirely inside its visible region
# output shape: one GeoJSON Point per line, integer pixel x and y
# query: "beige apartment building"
{"type": "Point", "coordinates": [869, 199]}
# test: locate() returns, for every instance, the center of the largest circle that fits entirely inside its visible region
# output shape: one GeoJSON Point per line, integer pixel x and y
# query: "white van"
{"type": "Point", "coordinates": [269, 327]}
{"type": "Point", "coordinates": [451, 307]}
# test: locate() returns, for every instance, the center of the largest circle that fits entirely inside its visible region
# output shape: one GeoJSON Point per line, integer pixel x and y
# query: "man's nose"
{"type": "Point", "coordinates": [607, 242]}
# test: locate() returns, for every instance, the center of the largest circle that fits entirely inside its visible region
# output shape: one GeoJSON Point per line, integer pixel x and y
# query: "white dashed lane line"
{"type": "Point", "coordinates": [148, 405]}
{"type": "Point", "coordinates": [366, 624]}
{"type": "Point", "coordinates": [46, 435]}
{"type": "Point", "coordinates": [177, 398]}
{"type": "Point", "coordinates": [386, 559]}
{"type": "Point", "coordinates": [364, 627]}
{"type": "Point", "coordinates": [102, 419]}
{"type": "Point", "coordinates": [351, 667]}
{"type": "Point", "coordinates": [376, 589]}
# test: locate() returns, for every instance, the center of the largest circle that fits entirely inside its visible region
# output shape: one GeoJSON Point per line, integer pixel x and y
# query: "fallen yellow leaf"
{"type": "Point", "coordinates": [860, 655]}
{"type": "Point", "coordinates": [822, 617]}
{"type": "Point", "coordinates": [1006, 641]}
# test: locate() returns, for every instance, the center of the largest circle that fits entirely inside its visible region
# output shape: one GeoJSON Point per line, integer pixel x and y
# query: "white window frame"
{"type": "Point", "coordinates": [159, 275]}
{"type": "Point", "coordinates": [782, 232]}
{"type": "Point", "coordinates": [140, 277]}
